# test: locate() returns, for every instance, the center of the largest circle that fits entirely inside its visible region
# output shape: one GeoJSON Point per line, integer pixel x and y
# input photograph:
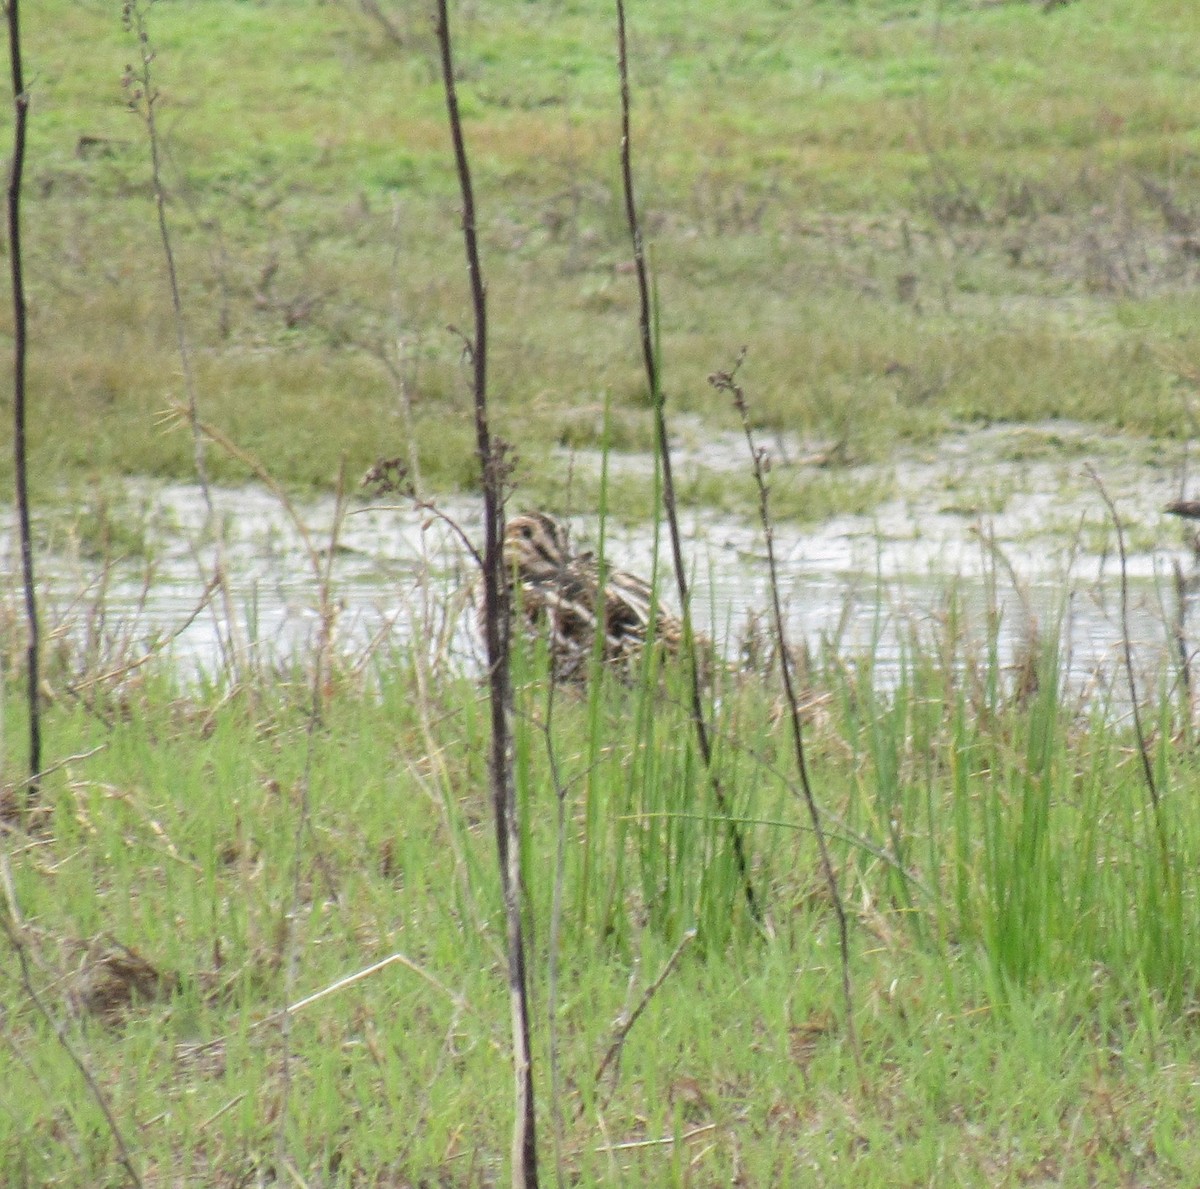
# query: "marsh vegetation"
{"type": "Point", "coordinates": [913, 215]}
{"type": "Point", "coordinates": [255, 927]}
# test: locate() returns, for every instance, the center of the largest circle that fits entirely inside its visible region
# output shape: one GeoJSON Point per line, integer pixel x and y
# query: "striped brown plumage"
{"type": "Point", "coordinates": [558, 592]}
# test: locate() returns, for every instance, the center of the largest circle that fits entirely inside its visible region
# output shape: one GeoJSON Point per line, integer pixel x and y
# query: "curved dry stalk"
{"type": "Point", "coordinates": [624, 1025]}
{"type": "Point", "coordinates": [389, 476]}
{"type": "Point", "coordinates": [457, 998]}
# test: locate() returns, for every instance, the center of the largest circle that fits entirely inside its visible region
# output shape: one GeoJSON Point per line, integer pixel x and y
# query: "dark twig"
{"type": "Point", "coordinates": [393, 476]}
{"type": "Point", "coordinates": [726, 382]}
{"type": "Point", "coordinates": [496, 636]}
{"type": "Point", "coordinates": [1127, 646]}
{"type": "Point", "coordinates": [12, 932]}
{"type": "Point", "coordinates": [653, 379]}
{"type": "Point", "coordinates": [20, 340]}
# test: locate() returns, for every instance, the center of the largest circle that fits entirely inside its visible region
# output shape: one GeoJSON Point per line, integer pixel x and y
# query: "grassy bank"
{"type": "Point", "coordinates": [1023, 931]}
{"type": "Point", "coordinates": [912, 215]}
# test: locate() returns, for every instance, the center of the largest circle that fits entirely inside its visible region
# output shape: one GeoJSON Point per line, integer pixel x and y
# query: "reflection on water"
{"type": "Point", "coordinates": [856, 584]}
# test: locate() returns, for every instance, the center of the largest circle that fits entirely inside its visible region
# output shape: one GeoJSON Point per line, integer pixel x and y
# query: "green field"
{"type": "Point", "coordinates": [912, 214]}
{"type": "Point", "coordinates": [1023, 956]}
{"type": "Point", "coordinates": [916, 216]}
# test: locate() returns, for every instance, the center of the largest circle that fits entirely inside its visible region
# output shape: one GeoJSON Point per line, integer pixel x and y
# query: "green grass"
{"type": "Point", "coordinates": [1023, 964]}
{"type": "Point", "coordinates": [911, 214]}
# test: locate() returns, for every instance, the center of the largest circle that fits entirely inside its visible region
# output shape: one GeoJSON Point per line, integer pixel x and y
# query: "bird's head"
{"type": "Point", "coordinates": [535, 545]}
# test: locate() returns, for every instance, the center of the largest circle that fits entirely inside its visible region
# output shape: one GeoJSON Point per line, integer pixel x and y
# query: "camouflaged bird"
{"type": "Point", "coordinates": [559, 593]}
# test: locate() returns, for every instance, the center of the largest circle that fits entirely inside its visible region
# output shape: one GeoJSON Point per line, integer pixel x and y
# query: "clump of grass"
{"type": "Point", "coordinates": [995, 840]}
{"type": "Point", "coordinates": [805, 494]}
{"type": "Point", "coordinates": [104, 524]}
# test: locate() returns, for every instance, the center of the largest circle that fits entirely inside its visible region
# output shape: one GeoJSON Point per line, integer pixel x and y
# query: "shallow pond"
{"type": "Point", "coordinates": [1009, 520]}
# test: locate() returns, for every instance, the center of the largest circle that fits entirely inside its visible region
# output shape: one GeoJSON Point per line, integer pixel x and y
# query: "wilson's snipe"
{"type": "Point", "coordinates": [559, 592]}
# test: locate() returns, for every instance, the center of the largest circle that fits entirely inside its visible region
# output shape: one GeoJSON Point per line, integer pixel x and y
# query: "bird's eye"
{"type": "Point", "coordinates": [526, 531]}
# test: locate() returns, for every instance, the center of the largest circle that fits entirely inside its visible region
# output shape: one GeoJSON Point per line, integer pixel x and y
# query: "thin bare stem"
{"type": "Point", "coordinates": [457, 998]}
{"type": "Point", "coordinates": [58, 764]}
{"type": "Point", "coordinates": [372, 482]}
{"type": "Point", "coordinates": [636, 1145]}
{"type": "Point", "coordinates": [726, 382]}
{"type": "Point", "coordinates": [20, 344]}
{"type": "Point", "coordinates": [496, 635]}
{"type": "Point", "coordinates": [321, 664]}
{"type": "Point", "coordinates": [142, 97]}
{"type": "Point", "coordinates": [556, 909]}
{"type": "Point", "coordinates": [1179, 635]}
{"type": "Point", "coordinates": [1127, 648]}
{"type": "Point", "coordinates": [269, 481]}
{"type": "Point", "coordinates": [118, 672]}
{"type": "Point", "coordinates": [654, 382]}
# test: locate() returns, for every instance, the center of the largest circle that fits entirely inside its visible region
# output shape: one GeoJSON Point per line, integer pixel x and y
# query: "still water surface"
{"type": "Point", "coordinates": [1023, 532]}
